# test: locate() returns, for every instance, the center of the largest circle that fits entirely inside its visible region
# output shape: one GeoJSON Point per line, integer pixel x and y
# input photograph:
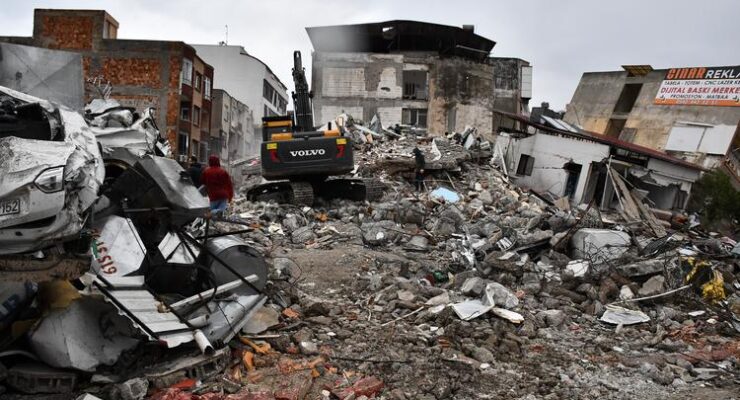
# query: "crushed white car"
{"type": "Point", "coordinates": [51, 170]}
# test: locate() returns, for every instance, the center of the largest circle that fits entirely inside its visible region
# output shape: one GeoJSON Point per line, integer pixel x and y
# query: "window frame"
{"type": "Point", "coordinates": [196, 115]}
{"type": "Point", "coordinates": [198, 81]}
{"type": "Point", "coordinates": [187, 73]}
{"type": "Point", "coordinates": [207, 89]}
{"type": "Point", "coordinates": [189, 113]}
{"type": "Point", "coordinates": [525, 166]}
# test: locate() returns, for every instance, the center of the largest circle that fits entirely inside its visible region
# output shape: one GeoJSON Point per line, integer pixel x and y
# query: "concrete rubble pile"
{"type": "Point", "coordinates": [431, 290]}
{"type": "Point", "coordinates": [468, 286]}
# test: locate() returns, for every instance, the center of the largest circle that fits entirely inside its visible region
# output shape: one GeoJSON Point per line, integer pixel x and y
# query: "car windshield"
{"type": "Point", "coordinates": [27, 120]}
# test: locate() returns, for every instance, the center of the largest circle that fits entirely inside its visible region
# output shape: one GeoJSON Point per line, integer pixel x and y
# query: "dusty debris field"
{"type": "Point", "coordinates": [469, 288]}
{"type": "Point", "coordinates": [578, 357]}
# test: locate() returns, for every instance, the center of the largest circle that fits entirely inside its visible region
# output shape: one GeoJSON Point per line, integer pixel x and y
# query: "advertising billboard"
{"type": "Point", "coordinates": [701, 86]}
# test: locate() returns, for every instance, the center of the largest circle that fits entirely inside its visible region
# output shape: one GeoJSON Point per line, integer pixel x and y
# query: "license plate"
{"type": "Point", "coordinates": [12, 206]}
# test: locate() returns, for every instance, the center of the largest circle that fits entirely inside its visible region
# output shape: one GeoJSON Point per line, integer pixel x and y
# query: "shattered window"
{"type": "Point", "coordinates": [525, 166]}
{"type": "Point", "coordinates": [415, 85]}
{"type": "Point", "coordinates": [414, 117]}
{"type": "Point", "coordinates": [187, 71]}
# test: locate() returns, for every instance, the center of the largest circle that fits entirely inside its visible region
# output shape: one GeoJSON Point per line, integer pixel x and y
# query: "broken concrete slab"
{"type": "Point", "coordinates": [264, 318]}
{"type": "Point", "coordinates": [599, 245]}
{"type": "Point", "coordinates": [654, 285]}
{"type": "Point", "coordinates": [33, 378]}
{"type": "Point", "coordinates": [187, 365]}
{"type": "Point", "coordinates": [645, 267]}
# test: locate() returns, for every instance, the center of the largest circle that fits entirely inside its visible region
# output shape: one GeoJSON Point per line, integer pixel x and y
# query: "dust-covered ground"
{"type": "Point", "coordinates": [345, 294]}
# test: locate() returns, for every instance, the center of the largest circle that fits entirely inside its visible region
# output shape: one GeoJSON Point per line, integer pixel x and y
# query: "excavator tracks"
{"type": "Point", "coordinates": [284, 192]}
{"type": "Point", "coordinates": [304, 192]}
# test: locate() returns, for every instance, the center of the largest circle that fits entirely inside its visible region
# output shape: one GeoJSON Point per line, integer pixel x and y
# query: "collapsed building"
{"type": "Point", "coordinates": [434, 78]}
{"type": "Point", "coordinates": [564, 161]}
{"type": "Point", "coordinates": [166, 75]}
{"type": "Point", "coordinates": [691, 113]}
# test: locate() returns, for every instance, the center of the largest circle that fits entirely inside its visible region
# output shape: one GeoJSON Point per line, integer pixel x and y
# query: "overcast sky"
{"type": "Point", "coordinates": [561, 39]}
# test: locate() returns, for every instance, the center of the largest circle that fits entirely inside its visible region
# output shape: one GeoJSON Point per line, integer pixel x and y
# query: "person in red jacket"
{"type": "Point", "coordinates": [218, 185]}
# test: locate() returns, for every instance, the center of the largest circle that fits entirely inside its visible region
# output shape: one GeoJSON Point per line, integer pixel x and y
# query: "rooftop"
{"type": "Point", "coordinates": [400, 35]}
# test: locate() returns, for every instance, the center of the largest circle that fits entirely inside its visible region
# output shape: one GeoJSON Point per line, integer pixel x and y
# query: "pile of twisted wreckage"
{"type": "Point", "coordinates": [104, 248]}
{"type": "Point", "coordinates": [472, 287]}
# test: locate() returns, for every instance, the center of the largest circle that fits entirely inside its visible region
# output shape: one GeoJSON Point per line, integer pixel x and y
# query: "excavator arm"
{"type": "Point", "coordinates": [303, 112]}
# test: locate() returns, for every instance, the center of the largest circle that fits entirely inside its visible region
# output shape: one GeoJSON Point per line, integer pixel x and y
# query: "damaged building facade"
{"type": "Point", "coordinates": [247, 78]}
{"type": "Point", "coordinates": [582, 166]}
{"type": "Point", "coordinates": [252, 88]}
{"type": "Point", "coordinates": [233, 128]}
{"type": "Point", "coordinates": [166, 75]}
{"type": "Point", "coordinates": [432, 77]}
{"type": "Point", "coordinates": [690, 113]}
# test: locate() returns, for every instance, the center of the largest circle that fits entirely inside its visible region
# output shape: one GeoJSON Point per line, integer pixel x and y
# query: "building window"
{"type": "Point", "coordinates": [414, 116]}
{"type": "Point", "coordinates": [195, 147]}
{"type": "Point", "coordinates": [205, 121]}
{"type": "Point", "coordinates": [273, 97]}
{"type": "Point", "coordinates": [269, 112]}
{"type": "Point", "coordinates": [198, 79]}
{"type": "Point", "coordinates": [267, 90]}
{"type": "Point", "coordinates": [187, 71]}
{"type": "Point", "coordinates": [185, 112]}
{"type": "Point", "coordinates": [627, 98]}
{"type": "Point", "coordinates": [207, 89]}
{"type": "Point", "coordinates": [196, 115]}
{"type": "Point", "coordinates": [203, 151]}
{"type": "Point", "coordinates": [415, 85]}
{"type": "Point", "coordinates": [182, 144]}
{"type": "Point", "coordinates": [525, 166]}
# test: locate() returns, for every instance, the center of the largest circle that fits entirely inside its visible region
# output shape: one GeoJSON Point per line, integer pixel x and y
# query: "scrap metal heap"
{"type": "Point", "coordinates": [106, 248]}
{"type": "Point", "coordinates": [469, 286]}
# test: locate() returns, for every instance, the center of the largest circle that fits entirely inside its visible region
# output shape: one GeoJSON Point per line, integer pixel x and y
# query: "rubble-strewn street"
{"type": "Point", "coordinates": [494, 293]}
{"type": "Point", "coordinates": [410, 230]}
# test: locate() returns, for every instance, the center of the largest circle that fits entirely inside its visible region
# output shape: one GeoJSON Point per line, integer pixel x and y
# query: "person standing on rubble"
{"type": "Point", "coordinates": [218, 185]}
{"type": "Point", "coordinates": [419, 169]}
{"type": "Point", "coordinates": [195, 170]}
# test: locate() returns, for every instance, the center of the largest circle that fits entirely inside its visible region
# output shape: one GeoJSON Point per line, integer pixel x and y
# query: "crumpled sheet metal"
{"type": "Point", "coordinates": [623, 316]}
{"type": "Point", "coordinates": [86, 334]}
{"type": "Point", "coordinates": [117, 248]}
{"type": "Point", "coordinates": [138, 137]}
{"type": "Point", "coordinates": [140, 306]}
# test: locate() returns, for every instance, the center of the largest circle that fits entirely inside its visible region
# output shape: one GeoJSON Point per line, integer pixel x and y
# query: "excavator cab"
{"type": "Point", "coordinates": [311, 155]}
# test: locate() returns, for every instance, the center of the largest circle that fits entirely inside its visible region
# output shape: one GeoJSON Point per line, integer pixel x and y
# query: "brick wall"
{"type": "Point", "coordinates": [132, 71]}
{"type": "Point", "coordinates": [173, 99]}
{"type": "Point", "coordinates": [67, 32]}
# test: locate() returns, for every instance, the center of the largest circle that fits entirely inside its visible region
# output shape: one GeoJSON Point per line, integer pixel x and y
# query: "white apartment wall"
{"type": "Point", "coordinates": [550, 154]}
{"type": "Point", "coordinates": [241, 75]}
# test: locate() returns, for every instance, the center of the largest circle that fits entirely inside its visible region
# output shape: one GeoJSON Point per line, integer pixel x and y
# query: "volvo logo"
{"type": "Point", "coordinates": [304, 153]}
